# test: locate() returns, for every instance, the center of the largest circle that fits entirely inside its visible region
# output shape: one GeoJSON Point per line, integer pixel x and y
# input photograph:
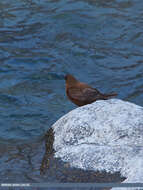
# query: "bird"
{"type": "Point", "coordinates": [81, 93]}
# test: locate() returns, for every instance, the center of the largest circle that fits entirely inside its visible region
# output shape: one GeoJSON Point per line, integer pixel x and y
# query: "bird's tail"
{"type": "Point", "coordinates": [107, 96]}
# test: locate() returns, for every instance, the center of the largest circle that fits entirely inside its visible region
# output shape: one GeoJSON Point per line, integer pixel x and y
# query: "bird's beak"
{"type": "Point", "coordinates": [65, 77]}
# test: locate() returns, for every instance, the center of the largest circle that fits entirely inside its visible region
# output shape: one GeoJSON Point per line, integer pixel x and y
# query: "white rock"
{"type": "Point", "coordinates": [105, 135]}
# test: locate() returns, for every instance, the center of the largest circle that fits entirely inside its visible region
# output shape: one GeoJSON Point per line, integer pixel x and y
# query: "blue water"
{"type": "Point", "coordinates": [98, 41]}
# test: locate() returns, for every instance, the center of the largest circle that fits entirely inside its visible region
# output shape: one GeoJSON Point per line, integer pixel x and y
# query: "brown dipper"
{"type": "Point", "coordinates": [81, 93]}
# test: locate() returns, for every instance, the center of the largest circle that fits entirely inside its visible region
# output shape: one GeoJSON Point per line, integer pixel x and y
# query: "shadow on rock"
{"type": "Point", "coordinates": [62, 172]}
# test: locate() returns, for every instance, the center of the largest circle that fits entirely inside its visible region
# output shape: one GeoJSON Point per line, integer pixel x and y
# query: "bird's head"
{"type": "Point", "coordinates": [70, 80]}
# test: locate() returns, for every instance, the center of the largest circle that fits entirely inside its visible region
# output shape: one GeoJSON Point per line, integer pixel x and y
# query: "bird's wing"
{"type": "Point", "coordinates": [83, 94]}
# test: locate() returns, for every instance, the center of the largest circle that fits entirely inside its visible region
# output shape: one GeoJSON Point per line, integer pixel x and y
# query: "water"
{"type": "Point", "coordinates": [98, 41]}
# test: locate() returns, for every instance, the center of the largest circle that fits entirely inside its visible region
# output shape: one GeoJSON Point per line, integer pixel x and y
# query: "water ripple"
{"type": "Point", "coordinates": [100, 42]}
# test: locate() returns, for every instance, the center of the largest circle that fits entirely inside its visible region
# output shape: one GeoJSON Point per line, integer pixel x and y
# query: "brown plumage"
{"type": "Point", "coordinates": [81, 94]}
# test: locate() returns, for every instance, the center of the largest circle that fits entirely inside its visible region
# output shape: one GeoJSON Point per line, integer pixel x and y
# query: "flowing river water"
{"type": "Point", "coordinates": [98, 41]}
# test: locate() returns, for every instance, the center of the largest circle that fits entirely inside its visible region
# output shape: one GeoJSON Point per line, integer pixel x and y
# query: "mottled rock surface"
{"type": "Point", "coordinates": [104, 136]}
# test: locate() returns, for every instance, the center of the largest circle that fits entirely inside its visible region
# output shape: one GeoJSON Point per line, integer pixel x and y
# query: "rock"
{"type": "Point", "coordinates": [106, 135]}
